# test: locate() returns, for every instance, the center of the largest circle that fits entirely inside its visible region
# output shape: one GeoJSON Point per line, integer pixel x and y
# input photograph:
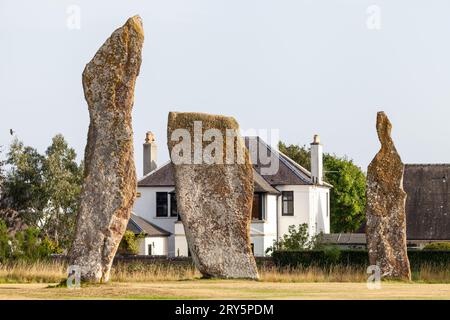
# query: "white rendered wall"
{"type": "Point", "coordinates": [145, 207]}
{"type": "Point", "coordinates": [301, 208]}
{"type": "Point", "coordinates": [180, 242]}
{"type": "Point", "coordinates": [159, 246]}
{"type": "Point", "coordinates": [311, 206]}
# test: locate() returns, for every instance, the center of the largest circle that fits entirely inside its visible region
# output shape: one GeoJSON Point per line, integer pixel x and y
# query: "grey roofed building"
{"type": "Point", "coordinates": [345, 240]}
{"type": "Point", "coordinates": [139, 225]}
{"type": "Point", "coordinates": [428, 201]}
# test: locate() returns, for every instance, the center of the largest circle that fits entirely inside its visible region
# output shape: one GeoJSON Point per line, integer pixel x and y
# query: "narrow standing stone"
{"type": "Point", "coordinates": [214, 199]}
{"type": "Point", "coordinates": [109, 186]}
{"type": "Point", "coordinates": [386, 218]}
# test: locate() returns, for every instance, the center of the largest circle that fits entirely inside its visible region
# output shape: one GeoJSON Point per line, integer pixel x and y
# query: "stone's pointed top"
{"type": "Point", "coordinates": [136, 23]}
{"type": "Point", "coordinates": [384, 128]}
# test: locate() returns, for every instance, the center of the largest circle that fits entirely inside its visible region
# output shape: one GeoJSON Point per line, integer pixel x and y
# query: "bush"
{"type": "Point", "coordinates": [129, 243]}
{"type": "Point", "coordinates": [438, 246]}
{"type": "Point", "coordinates": [5, 248]}
{"type": "Point", "coordinates": [354, 258]}
{"type": "Point", "coordinates": [295, 239]}
{"type": "Point", "coordinates": [25, 245]}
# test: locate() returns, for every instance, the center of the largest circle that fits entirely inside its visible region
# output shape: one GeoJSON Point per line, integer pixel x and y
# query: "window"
{"type": "Point", "coordinates": [253, 248]}
{"type": "Point", "coordinates": [287, 203]}
{"type": "Point", "coordinates": [149, 249]}
{"type": "Point", "coordinates": [173, 205]}
{"type": "Point", "coordinates": [258, 206]}
{"type": "Point", "coordinates": [161, 204]}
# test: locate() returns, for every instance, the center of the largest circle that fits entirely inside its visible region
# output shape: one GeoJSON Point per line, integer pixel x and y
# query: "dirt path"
{"type": "Point", "coordinates": [219, 289]}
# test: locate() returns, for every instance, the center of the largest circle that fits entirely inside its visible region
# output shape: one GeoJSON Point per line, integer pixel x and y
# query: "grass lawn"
{"type": "Point", "coordinates": [227, 289]}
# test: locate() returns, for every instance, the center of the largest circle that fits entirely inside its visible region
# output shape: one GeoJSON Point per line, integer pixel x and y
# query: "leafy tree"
{"type": "Point", "coordinates": [348, 195]}
{"type": "Point", "coordinates": [62, 180]}
{"type": "Point", "coordinates": [44, 189]}
{"type": "Point", "coordinates": [295, 239]}
{"type": "Point", "coordinates": [23, 186]}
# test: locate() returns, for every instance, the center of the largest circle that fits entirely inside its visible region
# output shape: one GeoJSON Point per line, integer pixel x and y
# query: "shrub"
{"type": "Point", "coordinates": [438, 246]}
{"type": "Point", "coordinates": [295, 239]}
{"type": "Point", "coordinates": [5, 248]}
{"type": "Point", "coordinates": [355, 258]}
{"type": "Point", "coordinates": [129, 243]}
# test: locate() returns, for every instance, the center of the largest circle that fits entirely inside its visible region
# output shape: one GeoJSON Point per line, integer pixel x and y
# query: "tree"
{"type": "Point", "coordinates": [348, 195]}
{"type": "Point", "coordinates": [44, 189]}
{"type": "Point", "coordinates": [23, 185]}
{"type": "Point", "coordinates": [62, 181]}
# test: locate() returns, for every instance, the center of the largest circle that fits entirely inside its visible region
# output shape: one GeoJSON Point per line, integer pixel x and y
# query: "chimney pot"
{"type": "Point", "coordinates": [316, 139]}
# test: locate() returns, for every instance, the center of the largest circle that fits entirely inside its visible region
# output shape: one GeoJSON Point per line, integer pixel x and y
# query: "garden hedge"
{"type": "Point", "coordinates": [357, 258]}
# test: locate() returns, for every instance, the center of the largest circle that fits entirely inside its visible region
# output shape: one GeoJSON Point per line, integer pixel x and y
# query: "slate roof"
{"type": "Point", "coordinates": [428, 201]}
{"type": "Point", "coordinates": [139, 225]}
{"type": "Point", "coordinates": [289, 172]}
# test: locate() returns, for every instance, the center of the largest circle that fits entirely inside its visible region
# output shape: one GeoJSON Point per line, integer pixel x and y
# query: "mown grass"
{"type": "Point", "coordinates": [55, 272]}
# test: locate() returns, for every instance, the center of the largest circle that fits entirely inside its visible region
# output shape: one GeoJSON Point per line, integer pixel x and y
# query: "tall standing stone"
{"type": "Point", "coordinates": [109, 185]}
{"type": "Point", "coordinates": [214, 197]}
{"type": "Point", "coordinates": [386, 218]}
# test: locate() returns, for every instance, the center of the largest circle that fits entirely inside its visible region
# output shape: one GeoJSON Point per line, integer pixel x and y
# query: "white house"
{"type": "Point", "coordinates": [290, 196]}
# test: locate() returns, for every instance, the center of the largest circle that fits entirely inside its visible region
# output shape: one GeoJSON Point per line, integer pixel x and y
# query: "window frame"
{"type": "Point", "coordinates": [285, 203]}
{"type": "Point", "coordinates": [159, 205]}
{"type": "Point", "coordinates": [262, 207]}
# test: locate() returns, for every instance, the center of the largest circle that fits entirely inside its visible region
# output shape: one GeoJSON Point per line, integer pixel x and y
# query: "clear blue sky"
{"type": "Point", "coordinates": [303, 67]}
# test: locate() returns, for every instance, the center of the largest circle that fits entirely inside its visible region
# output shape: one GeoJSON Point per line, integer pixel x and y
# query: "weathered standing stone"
{"type": "Point", "coordinates": [215, 200]}
{"type": "Point", "coordinates": [386, 218]}
{"type": "Point", "coordinates": [109, 186]}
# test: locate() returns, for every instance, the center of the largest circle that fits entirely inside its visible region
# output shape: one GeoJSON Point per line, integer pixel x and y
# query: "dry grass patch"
{"type": "Point", "coordinates": [55, 272]}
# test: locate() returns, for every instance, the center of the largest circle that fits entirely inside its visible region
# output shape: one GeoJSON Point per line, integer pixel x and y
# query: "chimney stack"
{"type": "Point", "coordinates": [316, 161]}
{"type": "Point", "coordinates": [150, 153]}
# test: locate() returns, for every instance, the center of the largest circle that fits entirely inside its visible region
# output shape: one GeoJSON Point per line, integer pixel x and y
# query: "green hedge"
{"type": "Point", "coordinates": [324, 258]}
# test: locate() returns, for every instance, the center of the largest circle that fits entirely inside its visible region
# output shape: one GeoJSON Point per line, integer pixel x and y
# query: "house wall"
{"type": "Point", "coordinates": [301, 208]}
{"type": "Point", "coordinates": [145, 207]}
{"type": "Point", "coordinates": [159, 246]}
{"type": "Point", "coordinates": [311, 206]}
{"type": "Point", "coordinates": [263, 233]}
{"type": "Point", "coordinates": [320, 206]}
{"type": "Point", "coordinates": [180, 242]}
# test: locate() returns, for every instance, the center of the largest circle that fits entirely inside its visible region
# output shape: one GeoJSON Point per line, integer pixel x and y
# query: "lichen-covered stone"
{"type": "Point", "coordinates": [386, 218]}
{"type": "Point", "coordinates": [214, 202]}
{"type": "Point", "coordinates": [109, 186]}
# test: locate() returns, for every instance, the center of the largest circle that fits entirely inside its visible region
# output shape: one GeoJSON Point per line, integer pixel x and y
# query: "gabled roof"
{"type": "Point", "coordinates": [288, 173]}
{"type": "Point", "coordinates": [139, 225]}
{"type": "Point", "coordinates": [427, 201]}
{"type": "Point", "coordinates": [161, 177]}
